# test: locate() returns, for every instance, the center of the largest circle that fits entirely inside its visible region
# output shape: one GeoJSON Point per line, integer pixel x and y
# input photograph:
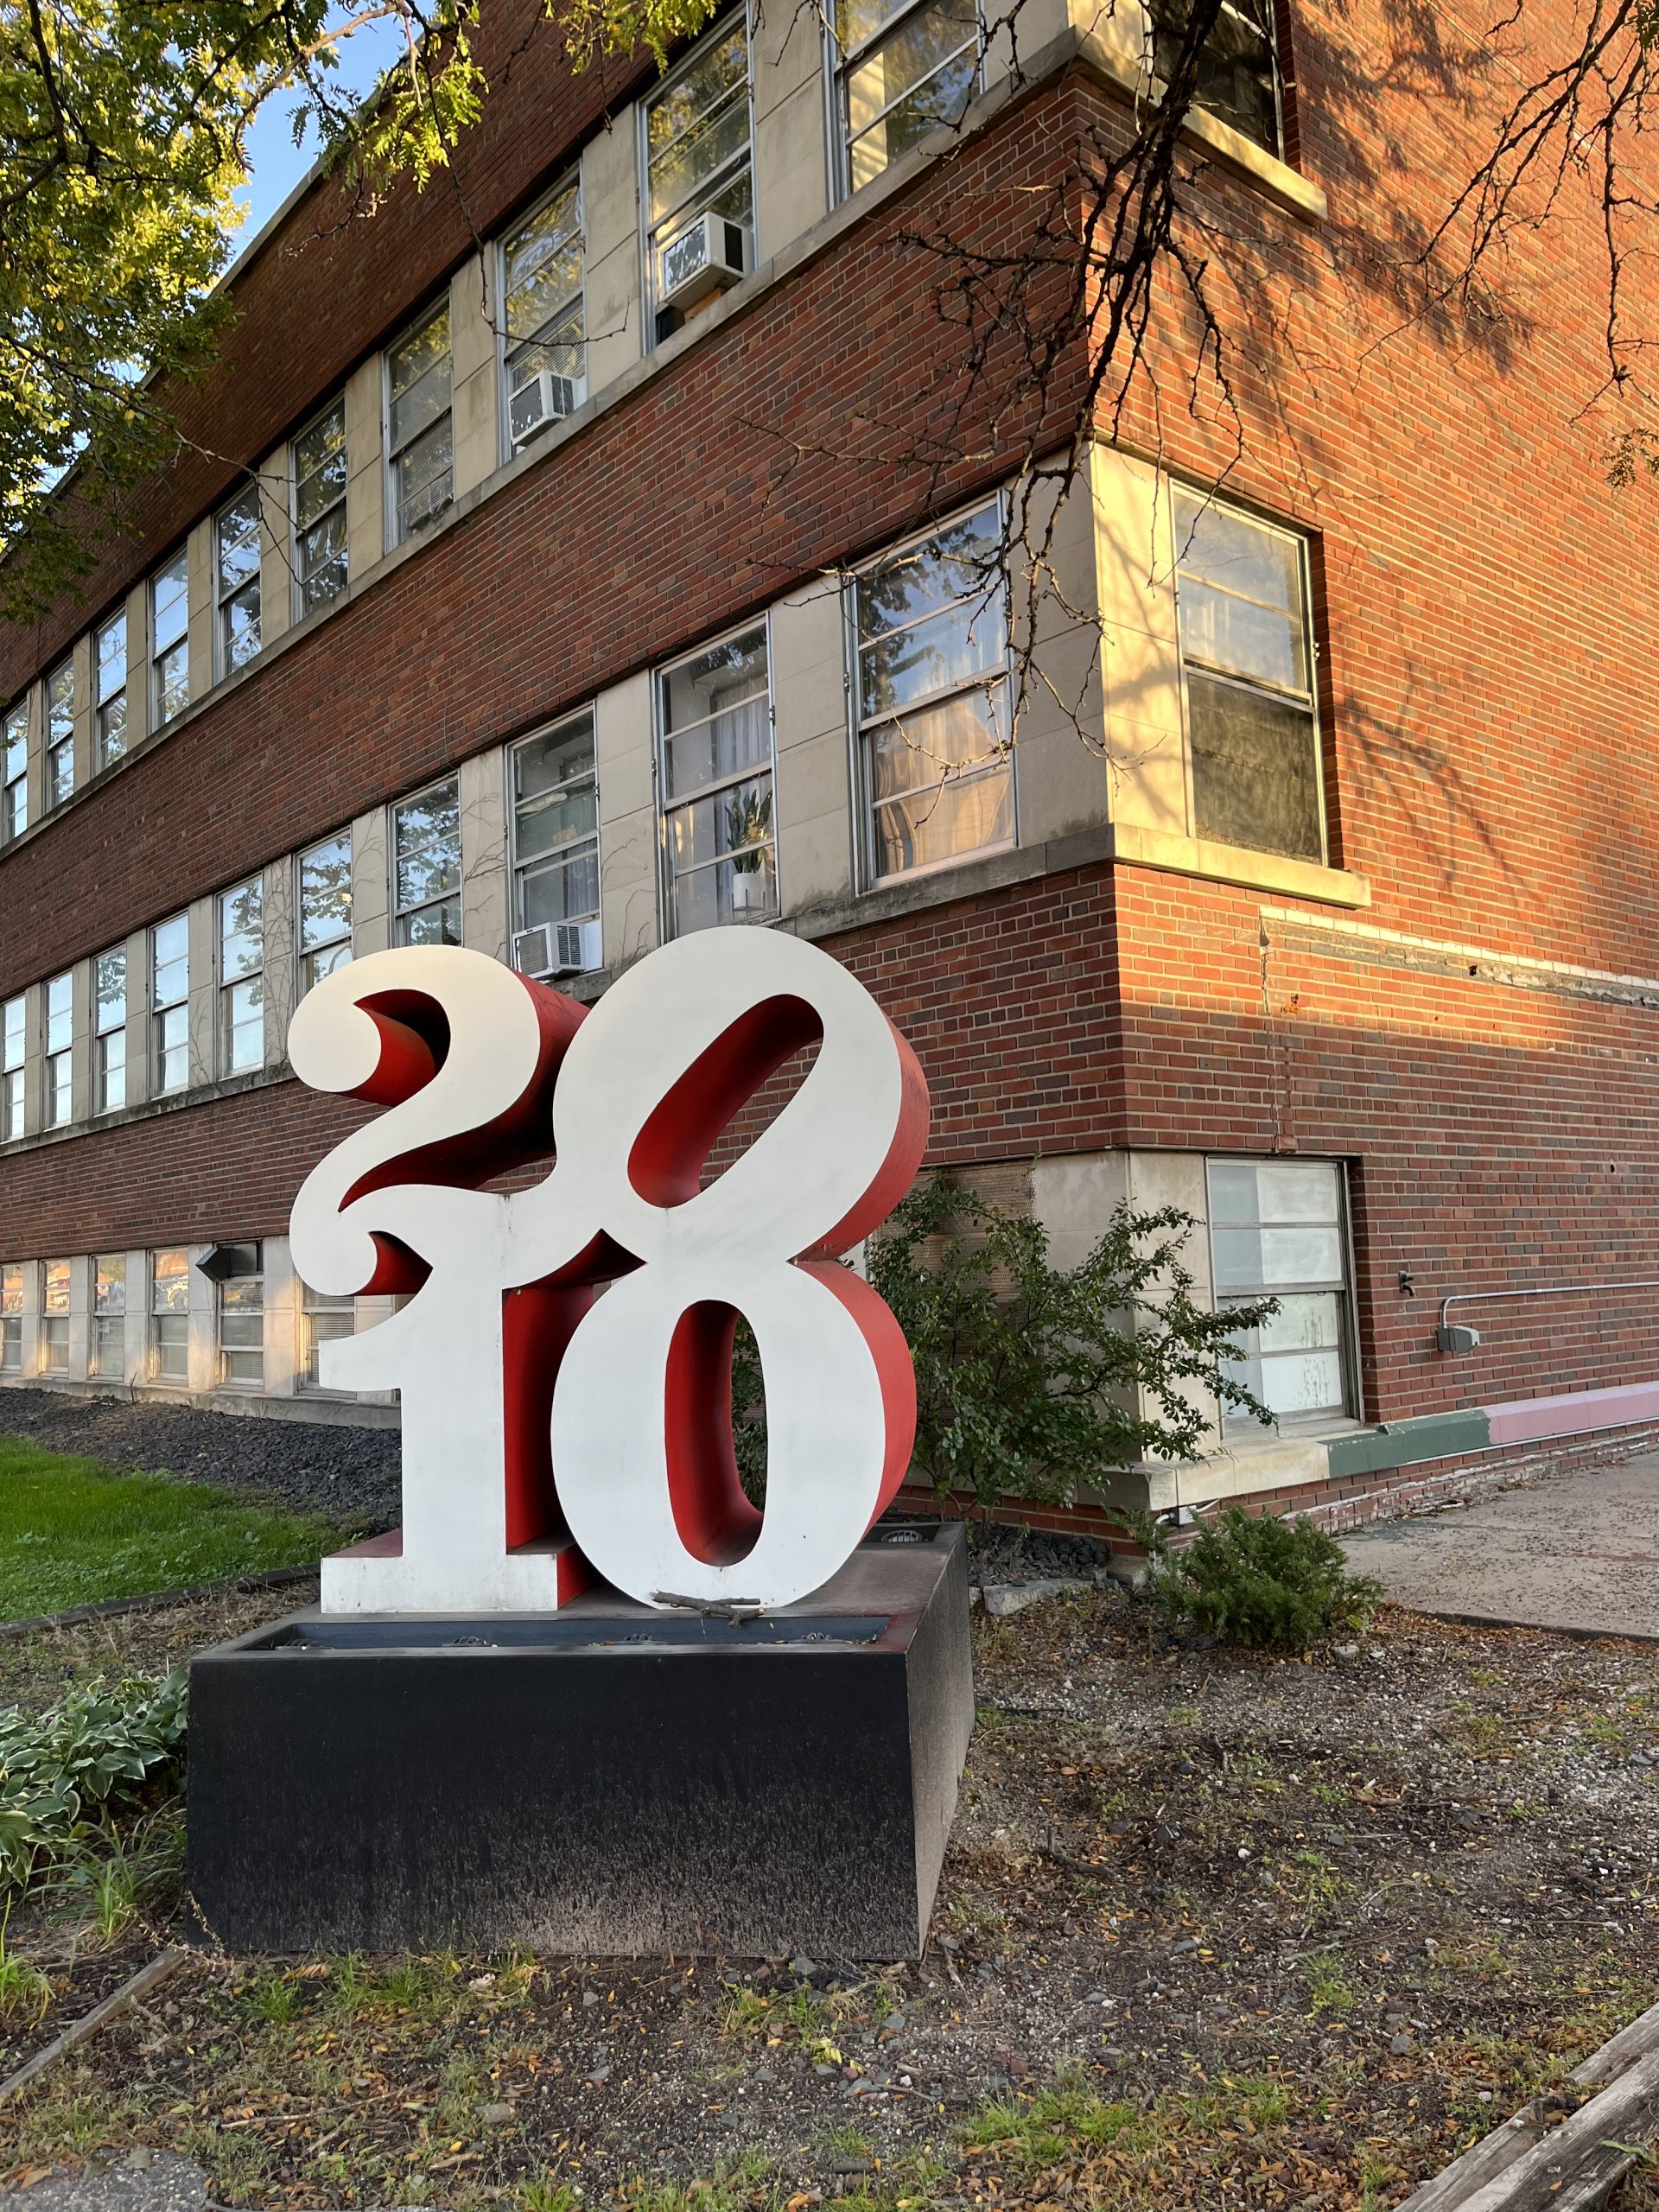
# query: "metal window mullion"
{"type": "Point", "coordinates": [706, 187]}
{"type": "Point", "coordinates": [910, 92]}
{"type": "Point", "coordinates": [732, 782]}
{"type": "Point", "coordinates": [1259, 684]}
{"type": "Point", "coordinates": [703, 721]}
{"type": "Point", "coordinates": [891, 717]}
{"type": "Point", "coordinates": [703, 116]}
{"type": "Point", "coordinates": [720, 860]}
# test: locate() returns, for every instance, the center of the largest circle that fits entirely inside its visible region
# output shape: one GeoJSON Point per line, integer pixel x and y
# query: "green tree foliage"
{"type": "Point", "coordinates": [122, 146]}
{"type": "Point", "coordinates": [1253, 1578]}
{"type": "Point", "coordinates": [1033, 1381]}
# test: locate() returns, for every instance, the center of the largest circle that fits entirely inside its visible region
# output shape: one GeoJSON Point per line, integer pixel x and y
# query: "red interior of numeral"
{"type": "Point", "coordinates": [716, 1521]}
{"type": "Point", "coordinates": [665, 1166]}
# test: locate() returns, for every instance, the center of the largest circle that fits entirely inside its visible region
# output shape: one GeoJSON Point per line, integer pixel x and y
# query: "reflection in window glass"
{"type": "Point", "coordinates": [698, 156]}
{"type": "Point", "coordinates": [12, 1047]}
{"type": "Point", "coordinates": [904, 71]}
{"type": "Point", "coordinates": [541, 292]}
{"type": "Point", "coordinates": [933, 699]}
{"type": "Point", "coordinates": [323, 1319]}
{"type": "Point", "coordinates": [170, 999]}
{"type": "Point", "coordinates": [13, 803]}
{"type": "Point", "coordinates": [11, 1319]}
{"type": "Point", "coordinates": [1277, 1230]}
{"type": "Point", "coordinates": [109, 1028]}
{"type": "Point", "coordinates": [426, 867]}
{"type": "Point", "coordinates": [242, 1331]}
{"type": "Point", "coordinates": [714, 712]}
{"type": "Point", "coordinates": [556, 831]}
{"type": "Point", "coordinates": [55, 1322]}
{"type": "Point", "coordinates": [1241, 589]}
{"type": "Point", "coordinates": [108, 1341]}
{"type": "Point", "coordinates": [241, 977]}
{"type": "Point", "coordinates": [236, 580]}
{"type": "Point", "coordinates": [110, 678]}
{"type": "Point", "coordinates": [169, 1316]}
{"type": "Point", "coordinates": [169, 630]}
{"type": "Point", "coordinates": [1238, 69]}
{"type": "Point", "coordinates": [60, 734]}
{"type": "Point", "coordinates": [325, 909]}
{"type": "Point", "coordinates": [319, 468]}
{"type": "Point", "coordinates": [421, 443]}
{"type": "Point", "coordinates": [60, 1055]}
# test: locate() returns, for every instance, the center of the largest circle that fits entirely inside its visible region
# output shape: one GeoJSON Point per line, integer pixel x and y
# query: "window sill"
{"type": "Point", "coordinates": [1201, 856]}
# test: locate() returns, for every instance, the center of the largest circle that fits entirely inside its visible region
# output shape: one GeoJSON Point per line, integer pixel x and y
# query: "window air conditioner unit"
{"type": "Point", "coordinates": [708, 257]}
{"type": "Point", "coordinates": [556, 949]}
{"type": "Point", "coordinates": [546, 398]}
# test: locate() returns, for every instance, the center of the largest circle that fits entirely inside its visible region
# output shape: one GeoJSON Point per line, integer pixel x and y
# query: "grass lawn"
{"type": "Point", "coordinates": [74, 1533]}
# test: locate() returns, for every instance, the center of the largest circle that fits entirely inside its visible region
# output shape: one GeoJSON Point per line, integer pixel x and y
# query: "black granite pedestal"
{"type": "Point", "coordinates": [605, 1780]}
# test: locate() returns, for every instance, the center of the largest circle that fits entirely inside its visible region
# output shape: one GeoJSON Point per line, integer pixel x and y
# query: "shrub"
{"type": "Point", "coordinates": [65, 1773]}
{"type": "Point", "coordinates": [1031, 1380]}
{"type": "Point", "coordinates": [1253, 1578]}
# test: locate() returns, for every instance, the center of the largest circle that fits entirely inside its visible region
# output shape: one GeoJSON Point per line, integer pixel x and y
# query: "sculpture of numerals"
{"type": "Point", "coordinates": [642, 1445]}
{"type": "Point", "coordinates": [642, 1468]}
{"type": "Point", "coordinates": [464, 1051]}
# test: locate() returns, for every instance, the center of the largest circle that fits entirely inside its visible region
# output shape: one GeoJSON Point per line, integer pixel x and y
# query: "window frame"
{"type": "Point", "coordinates": [1348, 1344]}
{"type": "Point", "coordinates": [517, 866]}
{"type": "Point", "coordinates": [397, 914]}
{"type": "Point", "coordinates": [52, 747]}
{"type": "Point", "coordinates": [299, 609]}
{"type": "Point", "coordinates": [394, 534]}
{"type": "Point", "coordinates": [709, 36]}
{"type": "Point", "coordinates": [224, 600]}
{"type": "Point", "coordinates": [14, 1073]}
{"type": "Point", "coordinates": [866, 845]}
{"type": "Point", "coordinates": [14, 729]}
{"type": "Point", "coordinates": [13, 1274]}
{"type": "Point", "coordinates": [838, 62]}
{"type": "Point", "coordinates": [665, 806]}
{"type": "Point", "coordinates": [310, 1303]}
{"type": "Point", "coordinates": [504, 343]}
{"type": "Point", "coordinates": [302, 952]}
{"type": "Point", "coordinates": [102, 1031]}
{"type": "Point", "coordinates": [158, 721]}
{"type": "Point", "coordinates": [225, 985]}
{"type": "Point", "coordinates": [58, 1062]}
{"type": "Point", "coordinates": [224, 1351]}
{"type": "Point", "coordinates": [158, 1012]}
{"type": "Point", "coordinates": [102, 755]}
{"type": "Point", "coordinates": [55, 1319]}
{"type": "Point", "coordinates": [152, 1338]}
{"type": "Point", "coordinates": [1275, 61]}
{"type": "Point", "coordinates": [101, 1314]}
{"type": "Point", "coordinates": [1256, 687]}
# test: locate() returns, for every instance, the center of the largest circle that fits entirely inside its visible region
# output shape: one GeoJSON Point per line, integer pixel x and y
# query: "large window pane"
{"type": "Point", "coordinates": [319, 464]}
{"type": "Point", "coordinates": [426, 849]}
{"type": "Point", "coordinates": [542, 280]}
{"type": "Point", "coordinates": [1238, 70]}
{"type": "Point", "coordinates": [422, 448]}
{"type": "Point", "coordinates": [237, 579]}
{"type": "Point", "coordinates": [556, 835]}
{"type": "Point", "coordinates": [1277, 1230]}
{"type": "Point", "coordinates": [714, 721]}
{"type": "Point", "coordinates": [896, 88]}
{"type": "Point", "coordinates": [325, 909]}
{"type": "Point", "coordinates": [698, 154]}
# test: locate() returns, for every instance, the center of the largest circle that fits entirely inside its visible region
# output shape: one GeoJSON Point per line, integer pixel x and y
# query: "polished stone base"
{"type": "Point", "coordinates": [603, 1781]}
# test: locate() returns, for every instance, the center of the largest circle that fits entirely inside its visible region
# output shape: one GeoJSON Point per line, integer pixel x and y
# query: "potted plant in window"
{"type": "Point", "coordinates": [748, 825]}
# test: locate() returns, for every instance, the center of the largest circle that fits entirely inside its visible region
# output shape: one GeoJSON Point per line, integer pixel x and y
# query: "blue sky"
{"type": "Point", "coordinates": [275, 163]}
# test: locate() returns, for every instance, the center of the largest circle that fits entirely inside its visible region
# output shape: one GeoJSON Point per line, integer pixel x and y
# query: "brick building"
{"type": "Point", "coordinates": [574, 554]}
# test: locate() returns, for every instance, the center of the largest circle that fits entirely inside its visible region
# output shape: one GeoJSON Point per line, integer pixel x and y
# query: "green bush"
{"type": "Point", "coordinates": [65, 1773]}
{"type": "Point", "coordinates": [1253, 1578]}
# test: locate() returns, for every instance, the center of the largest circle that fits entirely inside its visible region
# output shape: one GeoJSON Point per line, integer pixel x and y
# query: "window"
{"type": "Point", "coordinates": [13, 809]}
{"type": "Point", "coordinates": [58, 1096]}
{"type": "Point", "coordinates": [322, 1320]}
{"type": "Point", "coordinates": [11, 1071]}
{"type": "Point", "coordinates": [698, 155]}
{"type": "Point", "coordinates": [55, 1322]}
{"type": "Point", "coordinates": [426, 867]}
{"type": "Point", "coordinates": [1277, 1228]}
{"type": "Point", "coordinates": [713, 714]}
{"type": "Point", "coordinates": [109, 1029]}
{"type": "Point", "coordinates": [11, 1320]}
{"type": "Point", "coordinates": [169, 626]}
{"type": "Point", "coordinates": [170, 999]}
{"type": "Point", "coordinates": [319, 554]}
{"type": "Point", "coordinates": [109, 1346]}
{"type": "Point", "coordinates": [555, 842]}
{"type": "Point", "coordinates": [170, 1318]}
{"type": "Point", "coordinates": [1248, 660]}
{"type": "Point", "coordinates": [110, 677]}
{"type": "Point", "coordinates": [236, 580]}
{"type": "Point", "coordinates": [325, 909]}
{"type": "Point", "coordinates": [241, 977]}
{"type": "Point", "coordinates": [241, 1320]}
{"type": "Point", "coordinates": [60, 734]}
{"type": "Point", "coordinates": [419, 441]}
{"type": "Point", "coordinates": [1238, 70]}
{"type": "Point", "coordinates": [905, 69]}
{"type": "Point", "coordinates": [545, 316]}
{"type": "Point", "coordinates": [935, 751]}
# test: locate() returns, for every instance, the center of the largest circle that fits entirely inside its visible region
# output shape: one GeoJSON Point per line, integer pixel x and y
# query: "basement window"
{"type": "Point", "coordinates": [1247, 659]}
{"type": "Point", "coordinates": [1279, 1228]}
{"type": "Point", "coordinates": [170, 1318]}
{"type": "Point", "coordinates": [55, 1319]}
{"type": "Point", "coordinates": [11, 1320]}
{"type": "Point", "coordinates": [904, 70]}
{"type": "Point", "coordinates": [109, 1346]}
{"type": "Point", "coordinates": [324, 1319]}
{"type": "Point", "coordinates": [241, 1320]}
{"type": "Point", "coordinates": [1239, 80]}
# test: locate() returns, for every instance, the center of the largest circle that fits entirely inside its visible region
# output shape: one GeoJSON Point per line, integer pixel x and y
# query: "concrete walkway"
{"type": "Point", "coordinates": [1579, 1552]}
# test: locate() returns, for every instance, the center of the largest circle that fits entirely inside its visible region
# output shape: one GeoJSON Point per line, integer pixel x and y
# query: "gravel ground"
{"type": "Point", "coordinates": [312, 1466]}
{"type": "Point", "coordinates": [1373, 1902]}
